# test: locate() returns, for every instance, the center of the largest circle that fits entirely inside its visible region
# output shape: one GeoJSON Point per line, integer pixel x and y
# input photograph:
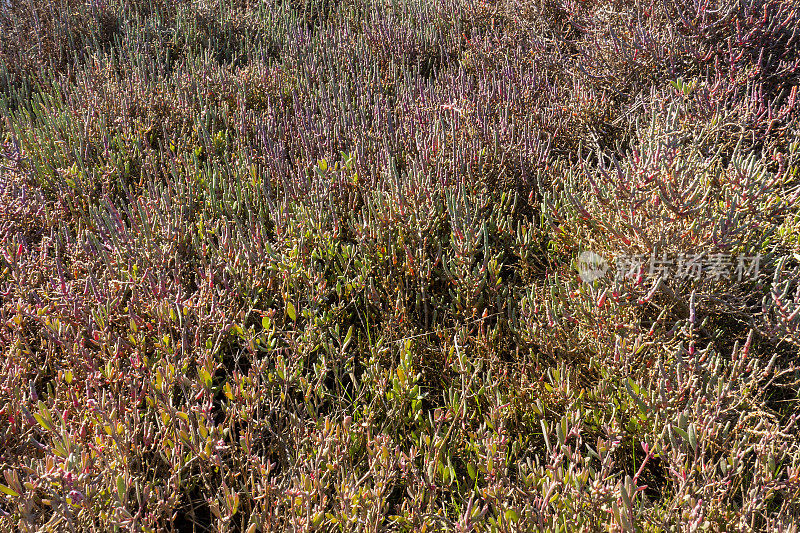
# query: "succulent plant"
{"type": "Point", "coordinates": [321, 265]}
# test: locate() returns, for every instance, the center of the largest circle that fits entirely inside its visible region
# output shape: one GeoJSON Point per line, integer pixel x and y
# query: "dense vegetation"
{"type": "Point", "coordinates": [314, 265]}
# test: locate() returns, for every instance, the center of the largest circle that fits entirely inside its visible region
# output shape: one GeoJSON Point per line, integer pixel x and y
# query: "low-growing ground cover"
{"type": "Point", "coordinates": [399, 265]}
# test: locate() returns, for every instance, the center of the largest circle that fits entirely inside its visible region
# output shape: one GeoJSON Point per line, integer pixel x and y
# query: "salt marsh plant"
{"type": "Point", "coordinates": [313, 265]}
